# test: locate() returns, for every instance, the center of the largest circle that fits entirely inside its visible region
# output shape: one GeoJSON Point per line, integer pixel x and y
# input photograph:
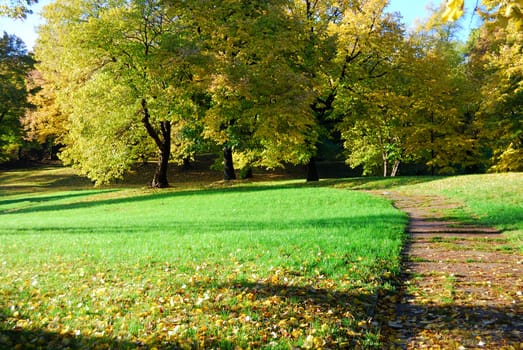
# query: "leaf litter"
{"type": "Point", "coordinates": [459, 290]}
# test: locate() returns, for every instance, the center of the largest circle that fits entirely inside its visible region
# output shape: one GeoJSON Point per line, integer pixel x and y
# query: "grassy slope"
{"type": "Point", "coordinates": [493, 199]}
{"type": "Point", "coordinates": [268, 264]}
{"type": "Point", "coordinates": [276, 264]}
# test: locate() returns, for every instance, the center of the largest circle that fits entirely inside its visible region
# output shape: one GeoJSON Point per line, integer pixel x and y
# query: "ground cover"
{"type": "Point", "coordinates": [461, 283]}
{"type": "Point", "coordinates": [486, 199]}
{"type": "Point", "coordinates": [274, 265]}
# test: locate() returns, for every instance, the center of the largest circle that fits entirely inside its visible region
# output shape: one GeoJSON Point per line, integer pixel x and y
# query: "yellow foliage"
{"type": "Point", "coordinates": [453, 11]}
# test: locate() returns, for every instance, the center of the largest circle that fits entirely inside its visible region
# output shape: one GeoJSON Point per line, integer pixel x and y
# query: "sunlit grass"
{"type": "Point", "coordinates": [492, 199]}
{"type": "Point", "coordinates": [274, 265]}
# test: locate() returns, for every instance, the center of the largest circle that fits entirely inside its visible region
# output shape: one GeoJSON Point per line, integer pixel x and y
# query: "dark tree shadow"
{"type": "Point", "coordinates": [321, 302]}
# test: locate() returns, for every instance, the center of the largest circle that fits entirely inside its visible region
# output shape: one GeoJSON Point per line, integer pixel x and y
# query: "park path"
{"type": "Point", "coordinates": [461, 285]}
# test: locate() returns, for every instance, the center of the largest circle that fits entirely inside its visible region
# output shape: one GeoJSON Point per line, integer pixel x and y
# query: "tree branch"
{"type": "Point", "coordinates": [147, 123]}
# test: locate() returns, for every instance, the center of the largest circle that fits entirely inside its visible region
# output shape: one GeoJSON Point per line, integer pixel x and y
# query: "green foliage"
{"type": "Point", "coordinates": [15, 64]}
{"type": "Point", "coordinates": [127, 66]}
{"type": "Point", "coordinates": [260, 104]}
{"type": "Point", "coordinates": [274, 82]}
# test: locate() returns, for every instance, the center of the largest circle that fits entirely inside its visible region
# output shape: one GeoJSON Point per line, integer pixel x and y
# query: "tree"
{"type": "Point", "coordinates": [417, 111]}
{"type": "Point", "coordinates": [125, 77]}
{"type": "Point", "coordinates": [496, 64]}
{"type": "Point", "coordinates": [443, 132]}
{"type": "Point", "coordinates": [342, 44]}
{"type": "Point", "coordinates": [506, 11]}
{"type": "Point", "coordinates": [259, 102]}
{"type": "Point", "coordinates": [43, 121]}
{"type": "Point", "coordinates": [16, 8]}
{"type": "Point", "coordinates": [15, 64]}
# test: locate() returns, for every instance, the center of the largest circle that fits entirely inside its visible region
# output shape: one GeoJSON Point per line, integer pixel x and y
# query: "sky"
{"type": "Point", "coordinates": [410, 10]}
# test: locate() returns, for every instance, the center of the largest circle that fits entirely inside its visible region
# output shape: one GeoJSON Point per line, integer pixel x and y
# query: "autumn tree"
{"type": "Point", "coordinates": [496, 65]}
{"type": "Point", "coordinates": [15, 64]}
{"type": "Point", "coordinates": [341, 43]}
{"type": "Point", "coordinates": [506, 11]}
{"type": "Point", "coordinates": [259, 112]}
{"type": "Point", "coordinates": [43, 122]}
{"type": "Point", "coordinates": [125, 78]}
{"type": "Point", "coordinates": [16, 8]}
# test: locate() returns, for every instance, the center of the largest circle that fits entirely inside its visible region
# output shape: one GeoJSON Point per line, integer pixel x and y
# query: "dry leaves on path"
{"type": "Point", "coordinates": [462, 285]}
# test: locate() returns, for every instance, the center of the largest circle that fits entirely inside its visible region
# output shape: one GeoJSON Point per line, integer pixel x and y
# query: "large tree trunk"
{"type": "Point", "coordinates": [312, 171]}
{"type": "Point", "coordinates": [228, 166]}
{"type": "Point", "coordinates": [163, 142]}
{"type": "Point", "coordinates": [160, 176]}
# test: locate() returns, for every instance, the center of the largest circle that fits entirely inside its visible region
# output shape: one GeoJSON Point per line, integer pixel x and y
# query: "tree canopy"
{"type": "Point", "coordinates": [270, 83]}
{"type": "Point", "coordinates": [15, 64]}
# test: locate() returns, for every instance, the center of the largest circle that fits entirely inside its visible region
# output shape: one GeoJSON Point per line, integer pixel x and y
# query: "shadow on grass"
{"type": "Point", "coordinates": [216, 226]}
{"type": "Point", "coordinates": [508, 218]}
{"type": "Point", "coordinates": [145, 197]}
{"type": "Point", "coordinates": [219, 188]}
{"type": "Point", "coordinates": [19, 338]}
{"type": "Point", "coordinates": [383, 183]}
{"type": "Point", "coordinates": [342, 311]}
{"type": "Point", "coordinates": [55, 196]}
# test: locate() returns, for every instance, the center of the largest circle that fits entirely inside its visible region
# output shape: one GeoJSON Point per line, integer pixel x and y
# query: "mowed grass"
{"type": "Point", "coordinates": [267, 265]}
{"type": "Point", "coordinates": [489, 199]}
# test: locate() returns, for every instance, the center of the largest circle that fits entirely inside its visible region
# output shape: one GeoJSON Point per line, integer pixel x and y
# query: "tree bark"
{"type": "Point", "coordinates": [228, 166]}
{"type": "Point", "coordinates": [395, 168]}
{"type": "Point", "coordinates": [186, 164]}
{"type": "Point", "coordinates": [160, 176]}
{"type": "Point", "coordinates": [312, 171]}
{"type": "Point", "coordinates": [385, 163]}
{"type": "Point", "coordinates": [163, 142]}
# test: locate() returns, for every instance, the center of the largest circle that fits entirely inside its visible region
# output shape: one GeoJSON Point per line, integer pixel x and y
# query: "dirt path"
{"type": "Point", "coordinates": [461, 288]}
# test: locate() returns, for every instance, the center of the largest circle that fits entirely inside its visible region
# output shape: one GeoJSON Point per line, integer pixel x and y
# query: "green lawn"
{"type": "Point", "coordinates": [270, 265]}
{"type": "Point", "coordinates": [490, 199]}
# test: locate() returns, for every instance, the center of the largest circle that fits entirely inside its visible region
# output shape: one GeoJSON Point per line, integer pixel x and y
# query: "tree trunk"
{"type": "Point", "coordinates": [385, 164]}
{"type": "Point", "coordinates": [395, 168]}
{"type": "Point", "coordinates": [312, 171]}
{"type": "Point", "coordinates": [186, 164]}
{"type": "Point", "coordinates": [228, 166]}
{"type": "Point", "coordinates": [160, 176]}
{"type": "Point", "coordinates": [163, 142]}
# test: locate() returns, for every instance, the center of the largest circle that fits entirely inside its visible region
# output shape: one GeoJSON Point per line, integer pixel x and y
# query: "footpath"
{"type": "Point", "coordinates": [461, 286]}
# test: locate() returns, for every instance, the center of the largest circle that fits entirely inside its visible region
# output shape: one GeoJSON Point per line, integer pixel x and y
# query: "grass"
{"type": "Point", "coordinates": [489, 199]}
{"type": "Point", "coordinates": [274, 265]}
{"type": "Point", "coordinates": [266, 265]}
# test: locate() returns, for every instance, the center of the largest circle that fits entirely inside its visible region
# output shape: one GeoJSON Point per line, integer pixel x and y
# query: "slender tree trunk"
{"type": "Point", "coordinates": [228, 166]}
{"type": "Point", "coordinates": [385, 163]}
{"type": "Point", "coordinates": [312, 170]}
{"type": "Point", "coordinates": [395, 168]}
{"type": "Point", "coordinates": [163, 142]}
